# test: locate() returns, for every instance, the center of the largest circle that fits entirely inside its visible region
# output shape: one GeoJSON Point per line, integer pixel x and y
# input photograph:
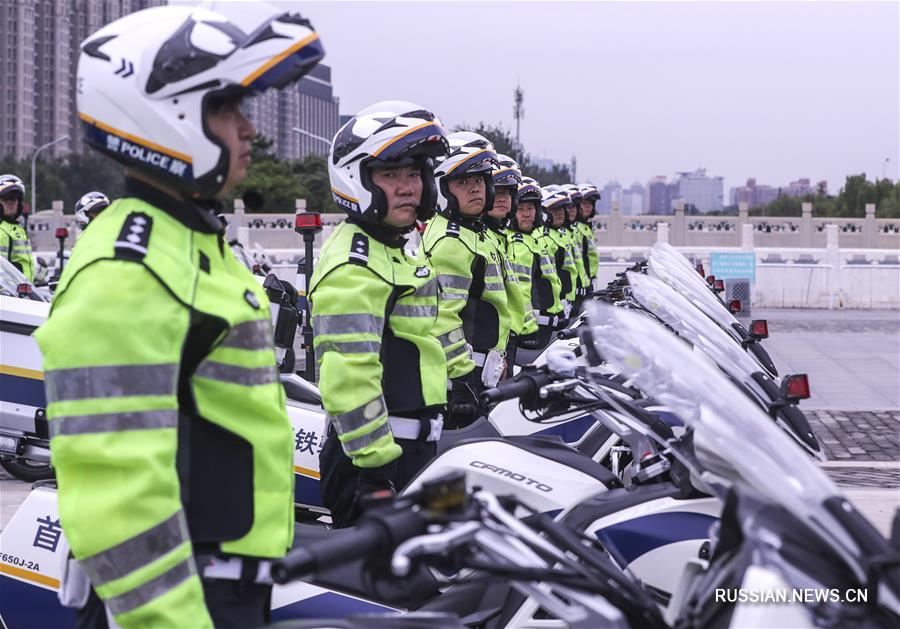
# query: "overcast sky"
{"type": "Point", "coordinates": [770, 90]}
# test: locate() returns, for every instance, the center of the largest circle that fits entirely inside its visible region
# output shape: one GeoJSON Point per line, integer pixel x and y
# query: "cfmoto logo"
{"type": "Point", "coordinates": [481, 465]}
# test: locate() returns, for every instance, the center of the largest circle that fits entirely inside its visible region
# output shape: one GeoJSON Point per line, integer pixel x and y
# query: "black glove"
{"type": "Point", "coordinates": [373, 484]}
{"type": "Point", "coordinates": [463, 406]}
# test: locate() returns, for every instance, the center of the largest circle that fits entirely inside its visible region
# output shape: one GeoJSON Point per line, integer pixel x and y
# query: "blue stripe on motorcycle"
{"type": "Point", "coordinates": [626, 541]}
{"type": "Point", "coordinates": [670, 418]}
{"type": "Point", "coordinates": [19, 390]}
{"type": "Point", "coordinates": [569, 431]}
{"type": "Point", "coordinates": [327, 605]}
{"type": "Point", "coordinates": [306, 491]}
{"type": "Point", "coordinates": [26, 606]}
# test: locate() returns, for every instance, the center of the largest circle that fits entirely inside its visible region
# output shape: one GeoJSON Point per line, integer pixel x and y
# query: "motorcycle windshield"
{"type": "Point", "coordinates": [733, 438]}
{"type": "Point", "coordinates": [662, 266]}
{"type": "Point", "coordinates": [10, 278]}
{"type": "Point", "coordinates": [684, 318]}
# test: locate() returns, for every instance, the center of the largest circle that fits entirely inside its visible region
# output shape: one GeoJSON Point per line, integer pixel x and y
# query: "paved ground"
{"type": "Point", "coordinates": [853, 360]}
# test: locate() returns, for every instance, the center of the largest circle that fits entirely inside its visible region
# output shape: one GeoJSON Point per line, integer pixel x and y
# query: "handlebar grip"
{"type": "Point", "coordinates": [379, 530]}
{"type": "Point", "coordinates": [568, 333]}
{"type": "Point", "coordinates": [522, 385]}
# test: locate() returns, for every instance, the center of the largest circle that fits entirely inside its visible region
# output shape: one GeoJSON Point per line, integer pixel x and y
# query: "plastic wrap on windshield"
{"type": "Point", "coordinates": [729, 430]}
{"type": "Point", "coordinates": [681, 315]}
{"type": "Point", "coordinates": [699, 294]}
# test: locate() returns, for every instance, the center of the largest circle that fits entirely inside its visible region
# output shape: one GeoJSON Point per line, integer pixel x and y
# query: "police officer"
{"type": "Point", "coordinates": [382, 373]}
{"type": "Point", "coordinates": [474, 321]}
{"type": "Point", "coordinates": [88, 207]}
{"type": "Point", "coordinates": [574, 238]}
{"type": "Point", "coordinates": [533, 266]}
{"type": "Point", "coordinates": [507, 178]}
{"type": "Point", "coordinates": [554, 203]}
{"type": "Point", "coordinates": [14, 244]}
{"type": "Point", "coordinates": [169, 434]}
{"type": "Point", "coordinates": [589, 197]}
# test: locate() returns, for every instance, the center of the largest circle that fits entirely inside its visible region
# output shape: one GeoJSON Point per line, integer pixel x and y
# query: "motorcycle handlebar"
{"type": "Point", "coordinates": [379, 530]}
{"type": "Point", "coordinates": [522, 385]}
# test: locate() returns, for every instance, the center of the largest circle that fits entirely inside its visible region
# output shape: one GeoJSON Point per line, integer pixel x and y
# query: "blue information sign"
{"type": "Point", "coordinates": [732, 266]}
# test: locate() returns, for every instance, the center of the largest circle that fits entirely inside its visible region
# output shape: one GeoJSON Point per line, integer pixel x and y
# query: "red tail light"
{"type": "Point", "coordinates": [719, 285]}
{"type": "Point", "coordinates": [62, 232]}
{"type": "Point", "coordinates": [700, 269]}
{"type": "Point", "coordinates": [23, 289]}
{"type": "Point", "coordinates": [257, 270]}
{"type": "Point", "coordinates": [307, 221]}
{"type": "Point", "coordinates": [796, 387]}
{"type": "Point", "coordinates": [734, 306]}
{"type": "Point", "coordinates": [759, 329]}
{"type": "Point", "coordinates": [710, 279]}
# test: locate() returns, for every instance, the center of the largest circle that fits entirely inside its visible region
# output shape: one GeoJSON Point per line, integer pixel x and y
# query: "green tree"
{"type": "Point", "coordinates": [312, 173]}
{"type": "Point", "coordinates": [270, 177]}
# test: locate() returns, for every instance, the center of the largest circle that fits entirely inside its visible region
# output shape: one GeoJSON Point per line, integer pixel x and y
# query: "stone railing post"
{"type": "Point", "coordinates": [662, 232]}
{"type": "Point", "coordinates": [679, 225]}
{"type": "Point", "coordinates": [747, 237]}
{"type": "Point", "coordinates": [806, 226]}
{"type": "Point", "coordinates": [240, 231]}
{"type": "Point", "coordinates": [869, 227]}
{"type": "Point", "coordinates": [615, 225]}
{"type": "Point", "coordinates": [743, 219]}
{"type": "Point", "coordinates": [833, 261]}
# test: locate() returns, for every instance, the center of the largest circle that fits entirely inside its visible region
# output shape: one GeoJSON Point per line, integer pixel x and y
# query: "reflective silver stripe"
{"type": "Point", "coordinates": [428, 289]}
{"type": "Point", "coordinates": [521, 269]}
{"type": "Point", "coordinates": [348, 324]}
{"type": "Point", "coordinates": [347, 347]}
{"type": "Point", "coordinates": [152, 589]}
{"type": "Point", "coordinates": [492, 270]}
{"type": "Point", "coordinates": [451, 337]}
{"type": "Point", "coordinates": [546, 261]}
{"type": "Point", "coordinates": [459, 351]}
{"type": "Point", "coordinates": [19, 243]}
{"type": "Point", "coordinates": [494, 286]}
{"type": "Point", "coordinates": [367, 439]}
{"type": "Point", "coordinates": [455, 281]}
{"type": "Point", "coordinates": [250, 335]}
{"type": "Point", "coordinates": [82, 383]}
{"type": "Point", "coordinates": [232, 374]}
{"type": "Point", "coordinates": [113, 422]}
{"type": "Point", "coordinates": [359, 416]}
{"type": "Point", "coordinates": [415, 311]}
{"type": "Point", "coordinates": [479, 358]}
{"type": "Point", "coordinates": [448, 296]}
{"type": "Point", "coordinates": [138, 551]}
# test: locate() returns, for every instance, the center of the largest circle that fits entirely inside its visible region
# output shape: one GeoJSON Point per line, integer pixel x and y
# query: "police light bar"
{"type": "Point", "coordinates": [307, 222]}
{"type": "Point", "coordinates": [700, 269]}
{"type": "Point", "coordinates": [734, 306]}
{"type": "Point", "coordinates": [23, 289]}
{"type": "Point", "coordinates": [719, 285]}
{"type": "Point", "coordinates": [62, 232]}
{"type": "Point", "coordinates": [759, 329]}
{"type": "Point", "coordinates": [795, 387]}
{"type": "Point", "coordinates": [710, 279]}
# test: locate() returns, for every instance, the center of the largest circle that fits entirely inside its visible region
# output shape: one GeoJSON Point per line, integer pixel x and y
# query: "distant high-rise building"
{"type": "Point", "coordinates": [38, 57]}
{"type": "Point", "coordinates": [633, 200]}
{"type": "Point", "coordinates": [612, 192]}
{"type": "Point", "coordinates": [659, 196]}
{"type": "Point", "coordinates": [704, 193]}
{"type": "Point", "coordinates": [799, 188]}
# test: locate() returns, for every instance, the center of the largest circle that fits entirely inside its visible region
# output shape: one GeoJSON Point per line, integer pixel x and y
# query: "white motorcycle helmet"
{"type": "Point", "coordinates": [529, 190]}
{"type": "Point", "coordinates": [88, 206]}
{"type": "Point", "coordinates": [10, 186]}
{"type": "Point", "coordinates": [470, 153]}
{"type": "Point", "coordinates": [590, 192]}
{"type": "Point", "coordinates": [574, 193]}
{"type": "Point", "coordinates": [553, 198]}
{"type": "Point", "coordinates": [389, 133]}
{"type": "Point", "coordinates": [146, 80]}
{"type": "Point", "coordinates": [506, 174]}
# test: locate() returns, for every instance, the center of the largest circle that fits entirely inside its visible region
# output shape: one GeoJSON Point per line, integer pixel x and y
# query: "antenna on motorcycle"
{"type": "Point", "coordinates": [307, 224]}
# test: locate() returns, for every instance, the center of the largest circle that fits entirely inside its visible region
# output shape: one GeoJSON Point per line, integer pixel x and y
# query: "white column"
{"type": "Point", "coordinates": [662, 232]}
{"type": "Point", "coordinates": [833, 261]}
